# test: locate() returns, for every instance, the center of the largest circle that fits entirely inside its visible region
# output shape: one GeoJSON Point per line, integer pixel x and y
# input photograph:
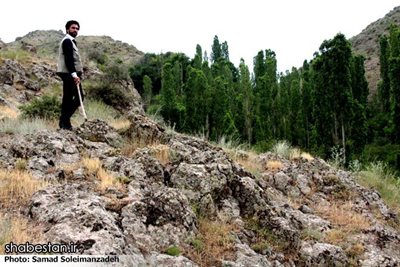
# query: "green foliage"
{"type": "Point", "coordinates": [389, 153]}
{"type": "Point", "coordinates": [381, 177]}
{"type": "Point", "coordinates": [311, 234]}
{"type": "Point", "coordinates": [323, 104]}
{"type": "Point", "coordinates": [388, 103]}
{"type": "Point", "coordinates": [109, 93]}
{"type": "Point", "coordinates": [115, 72]}
{"type": "Point", "coordinates": [197, 244]}
{"type": "Point", "coordinates": [263, 146]}
{"type": "Point", "coordinates": [99, 56]}
{"type": "Point", "coordinates": [96, 109]}
{"type": "Point", "coordinates": [46, 107]}
{"type": "Point", "coordinates": [19, 55]}
{"type": "Point", "coordinates": [173, 251]}
{"type": "Point", "coordinates": [147, 91]}
{"type": "Point", "coordinates": [264, 237]}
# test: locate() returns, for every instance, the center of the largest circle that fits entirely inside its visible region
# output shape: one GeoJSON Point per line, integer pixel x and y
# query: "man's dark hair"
{"type": "Point", "coordinates": [69, 23]}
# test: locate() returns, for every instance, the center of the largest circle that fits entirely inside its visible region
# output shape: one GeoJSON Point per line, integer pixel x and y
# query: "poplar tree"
{"type": "Point", "coordinates": [168, 93]}
{"type": "Point", "coordinates": [147, 91]}
{"type": "Point", "coordinates": [384, 83]}
{"type": "Point", "coordinates": [246, 97]}
{"type": "Point", "coordinates": [198, 58]}
{"type": "Point", "coordinates": [265, 94]}
{"type": "Point", "coordinates": [216, 50]}
{"type": "Point", "coordinates": [394, 76]}
{"type": "Point", "coordinates": [196, 100]}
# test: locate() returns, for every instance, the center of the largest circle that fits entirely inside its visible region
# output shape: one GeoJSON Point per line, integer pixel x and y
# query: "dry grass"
{"type": "Point", "coordinates": [107, 180]}
{"type": "Point", "coordinates": [213, 243]}
{"type": "Point", "coordinates": [335, 237]}
{"type": "Point", "coordinates": [343, 217]}
{"type": "Point", "coordinates": [69, 168]}
{"type": "Point", "coordinates": [273, 165]}
{"type": "Point", "coordinates": [355, 250]}
{"type": "Point", "coordinates": [17, 186]}
{"type": "Point", "coordinates": [120, 124]}
{"type": "Point", "coordinates": [129, 148]}
{"type": "Point", "coordinates": [248, 161]}
{"type": "Point", "coordinates": [162, 153]}
{"type": "Point", "coordinates": [93, 167]}
{"type": "Point", "coordinates": [295, 203]}
{"type": "Point", "coordinates": [294, 153]}
{"type": "Point", "coordinates": [19, 231]}
{"type": "Point", "coordinates": [307, 156]}
{"type": "Point", "coordinates": [7, 112]}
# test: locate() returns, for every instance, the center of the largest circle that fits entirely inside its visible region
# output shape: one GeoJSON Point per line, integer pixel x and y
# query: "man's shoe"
{"type": "Point", "coordinates": [65, 126]}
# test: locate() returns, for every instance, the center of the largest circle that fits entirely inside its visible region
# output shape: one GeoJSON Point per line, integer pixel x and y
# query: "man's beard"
{"type": "Point", "coordinates": [73, 34]}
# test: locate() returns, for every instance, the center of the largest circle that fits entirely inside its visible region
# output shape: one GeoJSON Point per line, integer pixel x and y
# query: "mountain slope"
{"type": "Point", "coordinates": [45, 43]}
{"type": "Point", "coordinates": [367, 44]}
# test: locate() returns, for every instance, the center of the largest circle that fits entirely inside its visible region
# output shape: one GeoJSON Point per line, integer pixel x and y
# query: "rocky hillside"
{"type": "Point", "coordinates": [367, 43]}
{"type": "Point", "coordinates": [45, 43]}
{"type": "Point", "coordinates": [27, 66]}
{"type": "Point", "coordinates": [160, 198]}
{"type": "Point", "coordinates": [174, 200]}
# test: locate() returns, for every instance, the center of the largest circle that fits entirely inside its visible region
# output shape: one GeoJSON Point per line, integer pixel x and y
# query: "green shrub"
{"type": "Point", "coordinates": [387, 153]}
{"type": "Point", "coordinates": [116, 71]}
{"type": "Point", "coordinates": [262, 146]}
{"type": "Point", "coordinates": [197, 244]}
{"type": "Point", "coordinates": [173, 251]}
{"type": "Point", "coordinates": [99, 56]}
{"type": "Point", "coordinates": [382, 178]}
{"type": "Point", "coordinates": [46, 107]}
{"type": "Point", "coordinates": [108, 93]}
{"type": "Point", "coordinates": [99, 110]}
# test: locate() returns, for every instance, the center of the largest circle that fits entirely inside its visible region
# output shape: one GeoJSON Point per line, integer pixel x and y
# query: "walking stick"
{"type": "Point", "coordinates": [81, 102]}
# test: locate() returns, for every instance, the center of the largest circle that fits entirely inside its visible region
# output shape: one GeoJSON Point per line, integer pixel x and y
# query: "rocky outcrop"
{"type": "Point", "coordinates": [21, 83]}
{"type": "Point", "coordinates": [2, 44]}
{"type": "Point", "coordinates": [26, 74]}
{"type": "Point", "coordinates": [277, 216]}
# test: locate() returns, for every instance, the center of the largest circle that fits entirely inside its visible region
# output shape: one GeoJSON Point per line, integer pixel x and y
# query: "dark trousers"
{"type": "Point", "coordinates": [70, 100]}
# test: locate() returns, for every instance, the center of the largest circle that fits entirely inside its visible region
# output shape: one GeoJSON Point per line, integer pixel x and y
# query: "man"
{"type": "Point", "coordinates": [69, 68]}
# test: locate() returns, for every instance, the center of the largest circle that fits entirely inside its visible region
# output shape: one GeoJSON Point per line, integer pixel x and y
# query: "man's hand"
{"type": "Point", "coordinates": [77, 80]}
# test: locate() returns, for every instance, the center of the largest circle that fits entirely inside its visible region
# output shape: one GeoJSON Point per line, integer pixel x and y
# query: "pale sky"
{"type": "Point", "coordinates": [294, 29]}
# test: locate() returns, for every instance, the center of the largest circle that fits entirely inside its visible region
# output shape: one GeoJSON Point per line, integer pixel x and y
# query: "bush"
{"type": "Point", "coordinates": [382, 178]}
{"type": "Point", "coordinates": [389, 153]}
{"type": "Point", "coordinates": [110, 94]}
{"type": "Point", "coordinates": [47, 107]}
{"type": "Point", "coordinates": [262, 146]}
{"type": "Point", "coordinates": [116, 72]}
{"type": "Point", "coordinates": [98, 56]}
{"type": "Point", "coordinates": [173, 251]}
{"type": "Point", "coordinates": [282, 148]}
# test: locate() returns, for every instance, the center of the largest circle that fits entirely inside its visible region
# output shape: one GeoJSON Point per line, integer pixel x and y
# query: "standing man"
{"type": "Point", "coordinates": [69, 68]}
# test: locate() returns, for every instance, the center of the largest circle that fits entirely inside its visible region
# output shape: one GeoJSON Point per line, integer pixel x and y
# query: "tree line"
{"type": "Point", "coordinates": [323, 105]}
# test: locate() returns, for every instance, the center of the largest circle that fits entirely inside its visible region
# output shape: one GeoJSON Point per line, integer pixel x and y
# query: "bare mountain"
{"type": "Point", "coordinates": [367, 44]}
{"type": "Point", "coordinates": [45, 43]}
